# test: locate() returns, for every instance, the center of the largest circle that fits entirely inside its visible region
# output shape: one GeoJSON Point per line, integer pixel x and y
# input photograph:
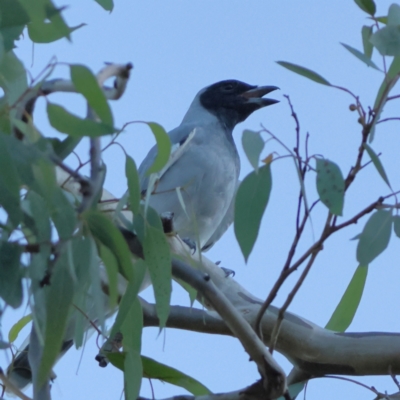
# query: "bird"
{"type": "Point", "coordinates": [200, 183]}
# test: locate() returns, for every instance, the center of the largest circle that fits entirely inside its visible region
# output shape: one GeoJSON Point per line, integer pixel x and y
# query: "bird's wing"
{"type": "Point", "coordinates": [224, 224]}
{"type": "Point", "coordinates": [180, 137]}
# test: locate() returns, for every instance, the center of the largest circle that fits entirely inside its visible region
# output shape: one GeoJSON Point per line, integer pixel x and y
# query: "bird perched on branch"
{"type": "Point", "coordinates": [200, 183]}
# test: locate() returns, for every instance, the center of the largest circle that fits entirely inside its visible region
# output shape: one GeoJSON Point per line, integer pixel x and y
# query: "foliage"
{"type": "Point", "coordinates": [53, 239]}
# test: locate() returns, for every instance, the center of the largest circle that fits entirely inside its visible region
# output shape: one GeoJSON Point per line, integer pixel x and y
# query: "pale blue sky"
{"type": "Point", "coordinates": [179, 47]}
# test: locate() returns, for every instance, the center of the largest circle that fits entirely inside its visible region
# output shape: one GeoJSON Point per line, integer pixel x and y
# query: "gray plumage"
{"type": "Point", "coordinates": [207, 170]}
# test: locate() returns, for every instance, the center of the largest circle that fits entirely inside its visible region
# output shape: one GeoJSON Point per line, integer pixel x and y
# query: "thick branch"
{"type": "Point", "coordinates": [273, 376]}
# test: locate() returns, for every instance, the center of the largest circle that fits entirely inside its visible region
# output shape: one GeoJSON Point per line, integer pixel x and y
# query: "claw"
{"type": "Point", "coordinates": [191, 243]}
{"type": "Point", "coordinates": [228, 272]}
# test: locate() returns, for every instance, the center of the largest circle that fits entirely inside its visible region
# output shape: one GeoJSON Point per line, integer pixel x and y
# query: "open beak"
{"type": "Point", "coordinates": [256, 95]}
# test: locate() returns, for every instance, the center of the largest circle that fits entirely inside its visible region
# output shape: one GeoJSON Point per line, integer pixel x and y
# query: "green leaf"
{"type": "Point", "coordinates": [250, 203]}
{"type": "Point", "coordinates": [47, 23]}
{"type": "Point", "coordinates": [158, 259]}
{"type": "Point", "coordinates": [330, 185]}
{"type": "Point", "coordinates": [366, 33]}
{"type": "Point", "coordinates": [387, 40]}
{"type": "Point", "coordinates": [367, 5]}
{"type": "Point", "coordinates": [377, 163]}
{"type": "Point", "coordinates": [65, 122]}
{"type": "Point", "coordinates": [304, 72]}
{"type": "Point", "coordinates": [35, 206]}
{"type": "Point", "coordinates": [382, 19]}
{"type": "Point", "coordinates": [10, 274]}
{"type": "Point", "coordinates": [129, 297]}
{"type": "Point", "coordinates": [253, 145]}
{"type": "Point", "coordinates": [132, 177]}
{"type": "Point", "coordinates": [111, 266]}
{"type": "Point", "coordinates": [360, 56]}
{"type": "Point", "coordinates": [63, 148]}
{"type": "Point", "coordinates": [396, 225]}
{"type": "Point", "coordinates": [375, 237]}
{"type": "Point", "coordinates": [387, 85]}
{"type": "Point", "coordinates": [132, 375]}
{"type": "Point", "coordinates": [347, 307]}
{"type": "Point", "coordinates": [12, 77]}
{"type": "Point", "coordinates": [131, 330]}
{"type": "Point", "coordinates": [47, 32]}
{"type": "Point", "coordinates": [59, 295]}
{"type": "Point", "coordinates": [86, 84]}
{"type": "Point", "coordinates": [9, 184]}
{"type": "Point", "coordinates": [106, 232]}
{"type": "Point", "coordinates": [13, 20]}
{"type": "Point", "coordinates": [61, 210]}
{"type": "Point", "coordinates": [394, 15]}
{"type": "Point", "coordinates": [163, 147]}
{"type": "Point", "coordinates": [108, 5]}
{"type": "Point", "coordinates": [152, 369]}
{"type": "Point", "coordinates": [18, 326]}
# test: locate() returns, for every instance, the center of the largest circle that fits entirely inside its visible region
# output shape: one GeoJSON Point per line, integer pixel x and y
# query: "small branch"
{"type": "Point", "coordinates": [355, 219]}
{"type": "Point", "coordinates": [388, 119]}
{"type": "Point", "coordinates": [96, 177]}
{"type": "Point", "coordinates": [372, 389]}
{"type": "Point", "coordinates": [282, 310]}
{"type": "Point", "coordinates": [397, 96]}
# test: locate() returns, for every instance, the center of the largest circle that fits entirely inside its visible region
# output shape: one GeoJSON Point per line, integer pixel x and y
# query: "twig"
{"type": "Point", "coordinates": [388, 119]}
{"type": "Point", "coordinates": [290, 297]}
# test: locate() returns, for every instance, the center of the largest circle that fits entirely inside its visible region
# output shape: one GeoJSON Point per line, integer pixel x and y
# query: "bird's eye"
{"type": "Point", "coordinates": [228, 87]}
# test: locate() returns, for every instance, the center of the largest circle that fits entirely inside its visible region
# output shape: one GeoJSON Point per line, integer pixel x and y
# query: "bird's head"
{"type": "Point", "coordinates": [233, 101]}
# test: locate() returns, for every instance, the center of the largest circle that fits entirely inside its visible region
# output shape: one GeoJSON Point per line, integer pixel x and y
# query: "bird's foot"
{"type": "Point", "coordinates": [191, 243]}
{"type": "Point", "coordinates": [228, 272]}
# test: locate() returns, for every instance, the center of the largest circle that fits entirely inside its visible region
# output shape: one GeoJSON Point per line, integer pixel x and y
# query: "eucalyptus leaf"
{"type": "Point", "coordinates": [153, 369]}
{"type": "Point", "coordinates": [86, 83]}
{"type": "Point", "coordinates": [111, 265]}
{"type": "Point", "coordinates": [253, 145]}
{"type": "Point", "coordinates": [366, 33]}
{"type": "Point", "coordinates": [251, 200]}
{"type": "Point", "coordinates": [17, 327]}
{"type": "Point", "coordinates": [132, 177]}
{"type": "Point", "coordinates": [396, 225]}
{"type": "Point", "coordinates": [9, 183]}
{"type": "Point", "coordinates": [330, 185]}
{"type": "Point", "coordinates": [59, 295]}
{"type": "Point", "coordinates": [106, 232]}
{"type": "Point", "coordinates": [129, 297]}
{"type": "Point", "coordinates": [367, 5]}
{"type": "Point", "coordinates": [106, 4]}
{"type": "Point", "coordinates": [377, 163]}
{"type": "Point", "coordinates": [375, 236]}
{"type": "Point", "coordinates": [158, 259]}
{"type": "Point", "coordinates": [347, 307]}
{"type": "Point", "coordinates": [65, 122]}
{"type": "Point", "coordinates": [360, 56]}
{"type": "Point", "coordinates": [10, 274]}
{"type": "Point", "coordinates": [163, 147]}
{"type": "Point", "coordinates": [387, 40]}
{"type": "Point", "coordinates": [131, 330]}
{"type": "Point", "coordinates": [388, 83]}
{"type": "Point", "coordinates": [304, 72]}
{"type": "Point", "coordinates": [12, 77]}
